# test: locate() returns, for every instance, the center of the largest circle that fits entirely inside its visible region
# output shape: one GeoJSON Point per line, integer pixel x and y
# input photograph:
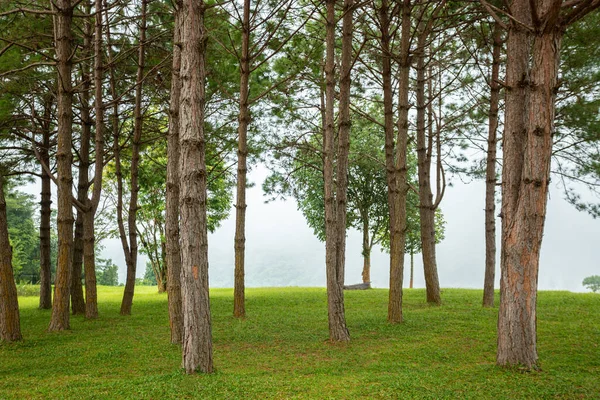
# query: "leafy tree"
{"type": "Point", "coordinates": [107, 272]}
{"type": "Point", "coordinates": [24, 238]}
{"type": "Point", "coordinates": [592, 283]}
{"type": "Point", "coordinates": [302, 178]}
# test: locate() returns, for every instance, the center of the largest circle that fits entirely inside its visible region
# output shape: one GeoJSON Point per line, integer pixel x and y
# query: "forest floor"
{"type": "Point", "coordinates": [281, 350]}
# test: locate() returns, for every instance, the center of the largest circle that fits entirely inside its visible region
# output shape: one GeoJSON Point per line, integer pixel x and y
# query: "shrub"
{"type": "Point", "coordinates": [28, 290]}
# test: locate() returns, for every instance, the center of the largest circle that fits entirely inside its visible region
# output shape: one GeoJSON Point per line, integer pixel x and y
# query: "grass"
{"type": "Point", "coordinates": [281, 350]}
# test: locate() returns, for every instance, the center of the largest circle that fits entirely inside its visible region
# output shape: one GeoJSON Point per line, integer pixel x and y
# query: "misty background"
{"type": "Point", "coordinates": [281, 250]}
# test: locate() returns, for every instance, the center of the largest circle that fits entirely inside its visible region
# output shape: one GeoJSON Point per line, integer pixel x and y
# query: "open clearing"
{"type": "Point", "coordinates": [281, 350]}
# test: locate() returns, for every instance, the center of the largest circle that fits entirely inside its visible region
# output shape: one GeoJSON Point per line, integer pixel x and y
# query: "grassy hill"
{"type": "Point", "coordinates": [281, 350]}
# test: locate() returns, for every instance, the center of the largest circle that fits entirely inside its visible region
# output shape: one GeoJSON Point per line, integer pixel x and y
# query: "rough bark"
{"type": "Point", "coordinates": [172, 207]}
{"type": "Point", "coordinates": [239, 304]}
{"type": "Point", "coordinates": [63, 45]}
{"type": "Point", "coordinates": [45, 212]}
{"type": "Point", "coordinates": [10, 326]}
{"type": "Point", "coordinates": [78, 304]}
{"type": "Point", "coordinates": [197, 338]}
{"type": "Point", "coordinates": [89, 240]}
{"type": "Point", "coordinates": [490, 188]}
{"type": "Point", "coordinates": [338, 332]}
{"type": "Point", "coordinates": [77, 300]}
{"type": "Point", "coordinates": [525, 225]}
{"type": "Point", "coordinates": [344, 126]}
{"type": "Point", "coordinates": [426, 204]}
{"type": "Point", "coordinates": [514, 141]}
{"type": "Point", "coordinates": [395, 153]}
{"type": "Point", "coordinates": [135, 161]}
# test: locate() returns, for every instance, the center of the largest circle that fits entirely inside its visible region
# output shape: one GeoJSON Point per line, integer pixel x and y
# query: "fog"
{"type": "Point", "coordinates": [281, 250]}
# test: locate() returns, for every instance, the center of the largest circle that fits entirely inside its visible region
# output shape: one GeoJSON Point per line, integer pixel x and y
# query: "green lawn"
{"type": "Point", "coordinates": [281, 350]}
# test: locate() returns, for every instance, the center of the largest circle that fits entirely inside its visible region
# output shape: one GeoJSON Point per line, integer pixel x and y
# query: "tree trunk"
{"type": "Point", "coordinates": [522, 348]}
{"type": "Point", "coordinates": [10, 326]}
{"type": "Point", "coordinates": [89, 240]}
{"type": "Point", "coordinates": [63, 39]}
{"type": "Point", "coordinates": [78, 304]}
{"type": "Point", "coordinates": [412, 268]}
{"type": "Point", "coordinates": [197, 337]}
{"type": "Point", "coordinates": [345, 124]}
{"type": "Point", "coordinates": [366, 252]}
{"type": "Point", "coordinates": [135, 160]}
{"type": "Point", "coordinates": [525, 225]}
{"type": "Point", "coordinates": [426, 206]}
{"type": "Point", "coordinates": [395, 159]}
{"type": "Point", "coordinates": [239, 307]}
{"type": "Point", "coordinates": [173, 251]}
{"type": "Point", "coordinates": [45, 213]}
{"type": "Point", "coordinates": [338, 332]}
{"type": "Point", "coordinates": [490, 188]}
{"type": "Point", "coordinates": [77, 300]}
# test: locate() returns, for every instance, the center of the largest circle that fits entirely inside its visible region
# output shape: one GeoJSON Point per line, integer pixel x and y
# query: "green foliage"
{"type": "Point", "coordinates": [107, 273]}
{"type": "Point", "coordinates": [301, 177]}
{"type": "Point", "coordinates": [149, 276]}
{"type": "Point", "coordinates": [281, 350]}
{"type": "Point", "coordinates": [25, 290]}
{"type": "Point", "coordinates": [592, 283]}
{"type": "Point", "coordinates": [24, 237]}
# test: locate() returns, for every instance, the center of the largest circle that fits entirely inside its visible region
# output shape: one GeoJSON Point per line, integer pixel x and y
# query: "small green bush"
{"type": "Point", "coordinates": [28, 290]}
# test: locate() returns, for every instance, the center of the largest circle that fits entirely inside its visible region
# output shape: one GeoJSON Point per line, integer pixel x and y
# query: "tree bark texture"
{"type": "Point", "coordinates": [172, 207]}
{"type": "Point", "coordinates": [63, 44]}
{"type": "Point", "coordinates": [395, 153]}
{"type": "Point", "coordinates": [78, 303]}
{"type": "Point", "coordinates": [89, 240]}
{"type": "Point", "coordinates": [523, 222]}
{"type": "Point", "coordinates": [239, 304]}
{"type": "Point", "coordinates": [77, 299]}
{"type": "Point", "coordinates": [45, 213]}
{"type": "Point", "coordinates": [490, 182]}
{"type": "Point", "coordinates": [338, 332]}
{"type": "Point", "coordinates": [197, 338]}
{"type": "Point", "coordinates": [344, 127]}
{"type": "Point", "coordinates": [10, 326]}
{"type": "Point", "coordinates": [426, 205]}
{"type": "Point", "coordinates": [135, 161]}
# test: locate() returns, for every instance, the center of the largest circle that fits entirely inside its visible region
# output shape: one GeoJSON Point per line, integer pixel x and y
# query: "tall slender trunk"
{"type": "Point", "coordinates": [173, 250]}
{"type": "Point", "coordinates": [338, 332]}
{"type": "Point", "coordinates": [77, 300]}
{"type": "Point", "coordinates": [46, 212]}
{"type": "Point", "coordinates": [426, 205]}
{"type": "Point", "coordinates": [89, 240]}
{"type": "Point", "coordinates": [78, 304]}
{"type": "Point", "coordinates": [366, 251]}
{"type": "Point", "coordinates": [490, 182]}
{"type": "Point", "coordinates": [115, 135]}
{"type": "Point", "coordinates": [135, 161]}
{"type": "Point", "coordinates": [63, 40]}
{"type": "Point", "coordinates": [239, 304]}
{"type": "Point", "coordinates": [412, 268]}
{"type": "Point", "coordinates": [197, 337]}
{"type": "Point", "coordinates": [396, 165]}
{"type": "Point", "coordinates": [343, 150]}
{"type": "Point", "coordinates": [10, 325]}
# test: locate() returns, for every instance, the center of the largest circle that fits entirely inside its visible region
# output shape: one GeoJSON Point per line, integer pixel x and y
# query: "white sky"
{"type": "Point", "coordinates": [281, 249]}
